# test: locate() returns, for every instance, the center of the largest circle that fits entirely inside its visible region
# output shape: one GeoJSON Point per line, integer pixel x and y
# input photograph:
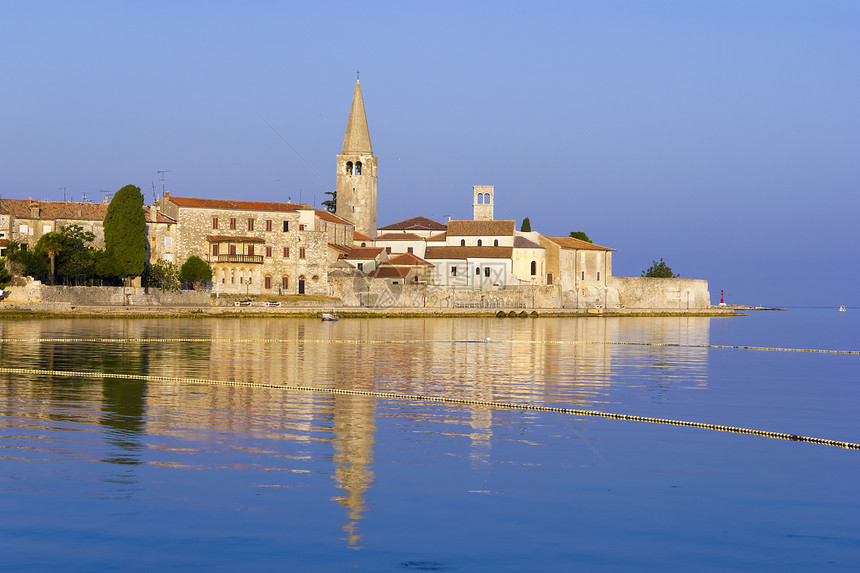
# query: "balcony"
{"type": "Point", "coordinates": [243, 259]}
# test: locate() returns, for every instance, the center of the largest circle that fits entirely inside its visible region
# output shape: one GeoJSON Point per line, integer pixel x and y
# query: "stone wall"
{"type": "Point", "coordinates": [673, 294]}
{"type": "Point", "coordinates": [36, 292]}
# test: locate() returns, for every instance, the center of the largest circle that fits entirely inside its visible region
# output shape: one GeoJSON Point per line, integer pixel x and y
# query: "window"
{"type": "Point", "coordinates": [232, 249]}
{"type": "Point", "coordinates": [583, 275]}
{"type": "Point", "coordinates": [250, 224]}
{"type": "Point", "coordinates": [267, 282]}
{"type": "Point", "coordinates": [214, 222]}
{"type": "Point", "coordinates": [486, 271]}
{"type": "Point", "coordinates": [408, 249]}
{"type": "Point", "coordinates": [361, 266]}
{"type": "Point", "coordinates": [598, 275]}
{"type": "Point", "coordinates": [549, 278]}
{"type": "Point", "coordinates": [534, 268]}
{"type": "Point", "coordinates": [301, 227]}
{"type": "Point", "coordinates": [477, 271]}
{"type": "Point", "coordinates": [268, 251]}
{"type": "Point", "coordinates": [453, 271]}
{"type": "Point", "coordinates": [24, 229]}
{"type": "Point", "coordinates": [364, 244]}
{"type": "Point", "coordinates": [462, 242]}
{"type": "Point", "coordinates": [286, 252]}
{"type": "Point", "coordinates": [496, 243]}
{"type": "Point", "coordinates": [358, 167]}
{"type": "Point", "coordinates": [215, 249]}
{"type": "Point", "coordinates": [286, 226]}
{"type": "Point", "coordinates": [388, 250]}
{"type": "Point", "coordinates": [251, 250]}
{"type": "Point", "coordinates": [285, 283]}
{"type": "Point", "coordinates": [233, 223]}
{"type": "Point", "coordinates": [168, 241]}
{"type": "Point", "coordinates": [168, 257]}
{"type": "Point", "coordinates": [46, 228]}
{"type": "Point", "coordinates": [301, 252]}
{"type": "Point", "coordinates": [349, 167]}
{"type": "Point", "coordinates": [268, 224]}
{"type": "Point", "coordinates": [480, 243]}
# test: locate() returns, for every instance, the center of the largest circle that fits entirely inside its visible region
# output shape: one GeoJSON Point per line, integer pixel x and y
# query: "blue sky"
{"type": "Point", "coordinates": [721, 136]}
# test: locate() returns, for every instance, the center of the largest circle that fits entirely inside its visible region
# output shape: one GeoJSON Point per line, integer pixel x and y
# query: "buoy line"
{"type": "Point", "coordinates": [441, 399]}
{"type": "Point", "coordinates": [422, 341]}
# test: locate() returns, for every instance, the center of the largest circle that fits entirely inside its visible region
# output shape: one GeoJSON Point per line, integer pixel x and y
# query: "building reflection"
{"type": "Point", "coordinates": [555, 362]}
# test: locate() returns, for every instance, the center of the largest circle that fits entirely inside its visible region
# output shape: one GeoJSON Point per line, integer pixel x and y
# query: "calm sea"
{"type": "Point", "coordinates": [179, 470]}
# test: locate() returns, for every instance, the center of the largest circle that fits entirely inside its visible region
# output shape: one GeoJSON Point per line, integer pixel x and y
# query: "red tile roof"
{"type": "Point", "coordinates": [399, 237]}
{"type": "Point", "coordinates": [409, 260]}
{"type": "Point", "coordinates": [330, 217]}
{"type": "Point", "coordinates": [523, 243]}
{"type": "Point", "coordinates": [571, 243]}
{"type": "Point", "coordinates": [360, 236]}
{"type": "Point", "coordinates": [234, 239]}
{"type": "Point", "coordinates": [340, 248]}
{"type": "Point", "coordinates": [225, 204]}
{"type": "Point", "coordinates": [468, 253]}
{"type": "Point", "coordinates": [363, 253]}
{"type": "Point", "coordinates": [481, 228]}
{"type": "Point", "coordinates": [389, 272]}
{"type": "Point", "coordinates": [50, 210]}
{"type": "Point", "coordinates": [415, 224]}
{"type": "Point", "coordinates": [440, 237]}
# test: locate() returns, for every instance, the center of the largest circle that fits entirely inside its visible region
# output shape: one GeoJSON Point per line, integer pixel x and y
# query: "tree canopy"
{"type": "Point", "coordinates": [659, 270]}
{"type": "Point", "coordinates": [581, 236]}
{"type": "Point", "coordinates": [125, 232]}
{"type": "Point", "coordinates": [195, 271]}
{"type": "Point", "coordinates": [330, 204]}
{"type": "Point", "coordinates": [163, 274]}
{"type": "Point", "coordinates": [526, 226]}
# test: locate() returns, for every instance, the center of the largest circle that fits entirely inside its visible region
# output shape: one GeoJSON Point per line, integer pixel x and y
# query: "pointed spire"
{"type": "Point", "coordinates": [357, 138]}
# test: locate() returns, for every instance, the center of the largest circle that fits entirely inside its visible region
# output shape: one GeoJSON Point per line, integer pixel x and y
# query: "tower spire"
{"type": "Point", "coordinates": [357, 138]}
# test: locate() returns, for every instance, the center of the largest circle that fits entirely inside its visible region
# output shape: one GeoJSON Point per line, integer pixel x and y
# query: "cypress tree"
{"type": "Point", "coordinates": [125, 232]}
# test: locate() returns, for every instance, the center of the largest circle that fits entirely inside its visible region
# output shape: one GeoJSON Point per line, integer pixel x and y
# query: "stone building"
{"type": "Point", "coordinates": [257, 247]}
{"type": "Point", "coordinates": [581, 270]}
{"type": "Point", "coordinates": [26, 220]}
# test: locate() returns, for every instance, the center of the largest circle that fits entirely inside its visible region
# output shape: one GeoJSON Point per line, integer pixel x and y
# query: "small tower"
{"type": "Point", "coordinates": [482, 203]}
{"type": "Point", "coordinates": [356, 171]}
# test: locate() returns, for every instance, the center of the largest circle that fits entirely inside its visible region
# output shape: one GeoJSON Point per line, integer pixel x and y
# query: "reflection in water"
{"type": "Point", "coordinates": [177, 425]}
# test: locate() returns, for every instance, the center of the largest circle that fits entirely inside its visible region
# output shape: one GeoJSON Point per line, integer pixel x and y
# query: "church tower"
{"type": "Point", "coordinates": [482, 202]}
{"type": "Point", "coordinates": [356, 171]}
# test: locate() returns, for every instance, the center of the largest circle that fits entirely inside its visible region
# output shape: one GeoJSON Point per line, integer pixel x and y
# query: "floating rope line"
{"type": "Point", "coordinates": [323, 341]}
{"type": "Point", "coordinates": [442, 399]}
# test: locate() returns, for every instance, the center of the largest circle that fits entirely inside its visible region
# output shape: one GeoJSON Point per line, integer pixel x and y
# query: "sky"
{"type": "Point", "coordinates": [721, 136]}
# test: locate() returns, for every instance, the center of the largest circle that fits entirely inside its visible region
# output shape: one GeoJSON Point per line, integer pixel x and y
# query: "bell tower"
{"type": "Point", "coordinates": [356, 171]}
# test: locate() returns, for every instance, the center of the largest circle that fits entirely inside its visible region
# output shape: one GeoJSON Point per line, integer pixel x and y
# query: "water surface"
{"type": "Point", "coordinates": [99, 473]}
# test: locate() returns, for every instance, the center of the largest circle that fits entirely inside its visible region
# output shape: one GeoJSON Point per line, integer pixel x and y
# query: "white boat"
{"type": "Point", "coordinates": [327, 316]}
{"type": "Point", "coordinates": [842, 308]}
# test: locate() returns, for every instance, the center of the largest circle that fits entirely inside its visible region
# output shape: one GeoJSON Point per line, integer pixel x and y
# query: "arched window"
{"type": "Point", "coordinates": [349, 167]}
{"type": "Point", "coordinates": [480, 243]}
{"type": "Point", "coordinates": [534, 268]}
{"type": "Point", "coordinates": [480, 198]}
{"type": "Point", "coordinates": [364, 244]}
{"type": "Point", "coordinates": [358, 167]}
{"type": "Point", "coordinates": [478, 271]}
{"type": "Point", "coordinates": [496, 243]}
{"type": "Point", "coordinates": [462, 242]}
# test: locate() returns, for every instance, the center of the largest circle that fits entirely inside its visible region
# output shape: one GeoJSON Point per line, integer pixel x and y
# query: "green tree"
{"type": "Point", "coordinates": [526, 226]}
{"type": "Point", "coordinates": [50, 244]}
{"type": "Point", "coordinates": [125, 232]}
{"type": "Point", "coordinates": [77, 258]}
{"type": "Point", "coordinates": [659, 270]}
{"type": "Point", "coordinates": [195, 271]}
{"type": "Point", "coordinates": [581, 236]}
{"type": "Point", "coordinates": [27, 262]}
{"type": "Point", "coordinates": [163, 274]}
{"type": "Point", "coordinates": [4, 273]}
{"type": "Point", "coordinates": [330, 204]}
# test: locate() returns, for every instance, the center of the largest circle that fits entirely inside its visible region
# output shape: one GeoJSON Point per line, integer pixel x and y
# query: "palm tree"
{"type": "Point", "coordinates": [51, 243]}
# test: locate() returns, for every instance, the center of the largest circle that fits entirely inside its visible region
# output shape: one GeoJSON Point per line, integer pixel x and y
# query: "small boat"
{"type": "Point", "coordinates": [842, 308]}
{"type": "Point", "coordinates": [328, 316]}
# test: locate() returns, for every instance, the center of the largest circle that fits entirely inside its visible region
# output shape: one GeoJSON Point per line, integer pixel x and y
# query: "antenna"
{"type": "Point", "coordinates": [84, 198]}
{"type": "Point", "coordinates": [107, 194]}
{"type": "Point", "coordinates": [154, 195]}
{"type": "Point", "coordinates": [63, 189]}
{"type": "Point", "coordinates": [161, 173]}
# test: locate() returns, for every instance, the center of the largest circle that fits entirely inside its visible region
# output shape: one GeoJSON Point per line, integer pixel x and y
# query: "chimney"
{"type": "Point", "coordinates": [153, 213]}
